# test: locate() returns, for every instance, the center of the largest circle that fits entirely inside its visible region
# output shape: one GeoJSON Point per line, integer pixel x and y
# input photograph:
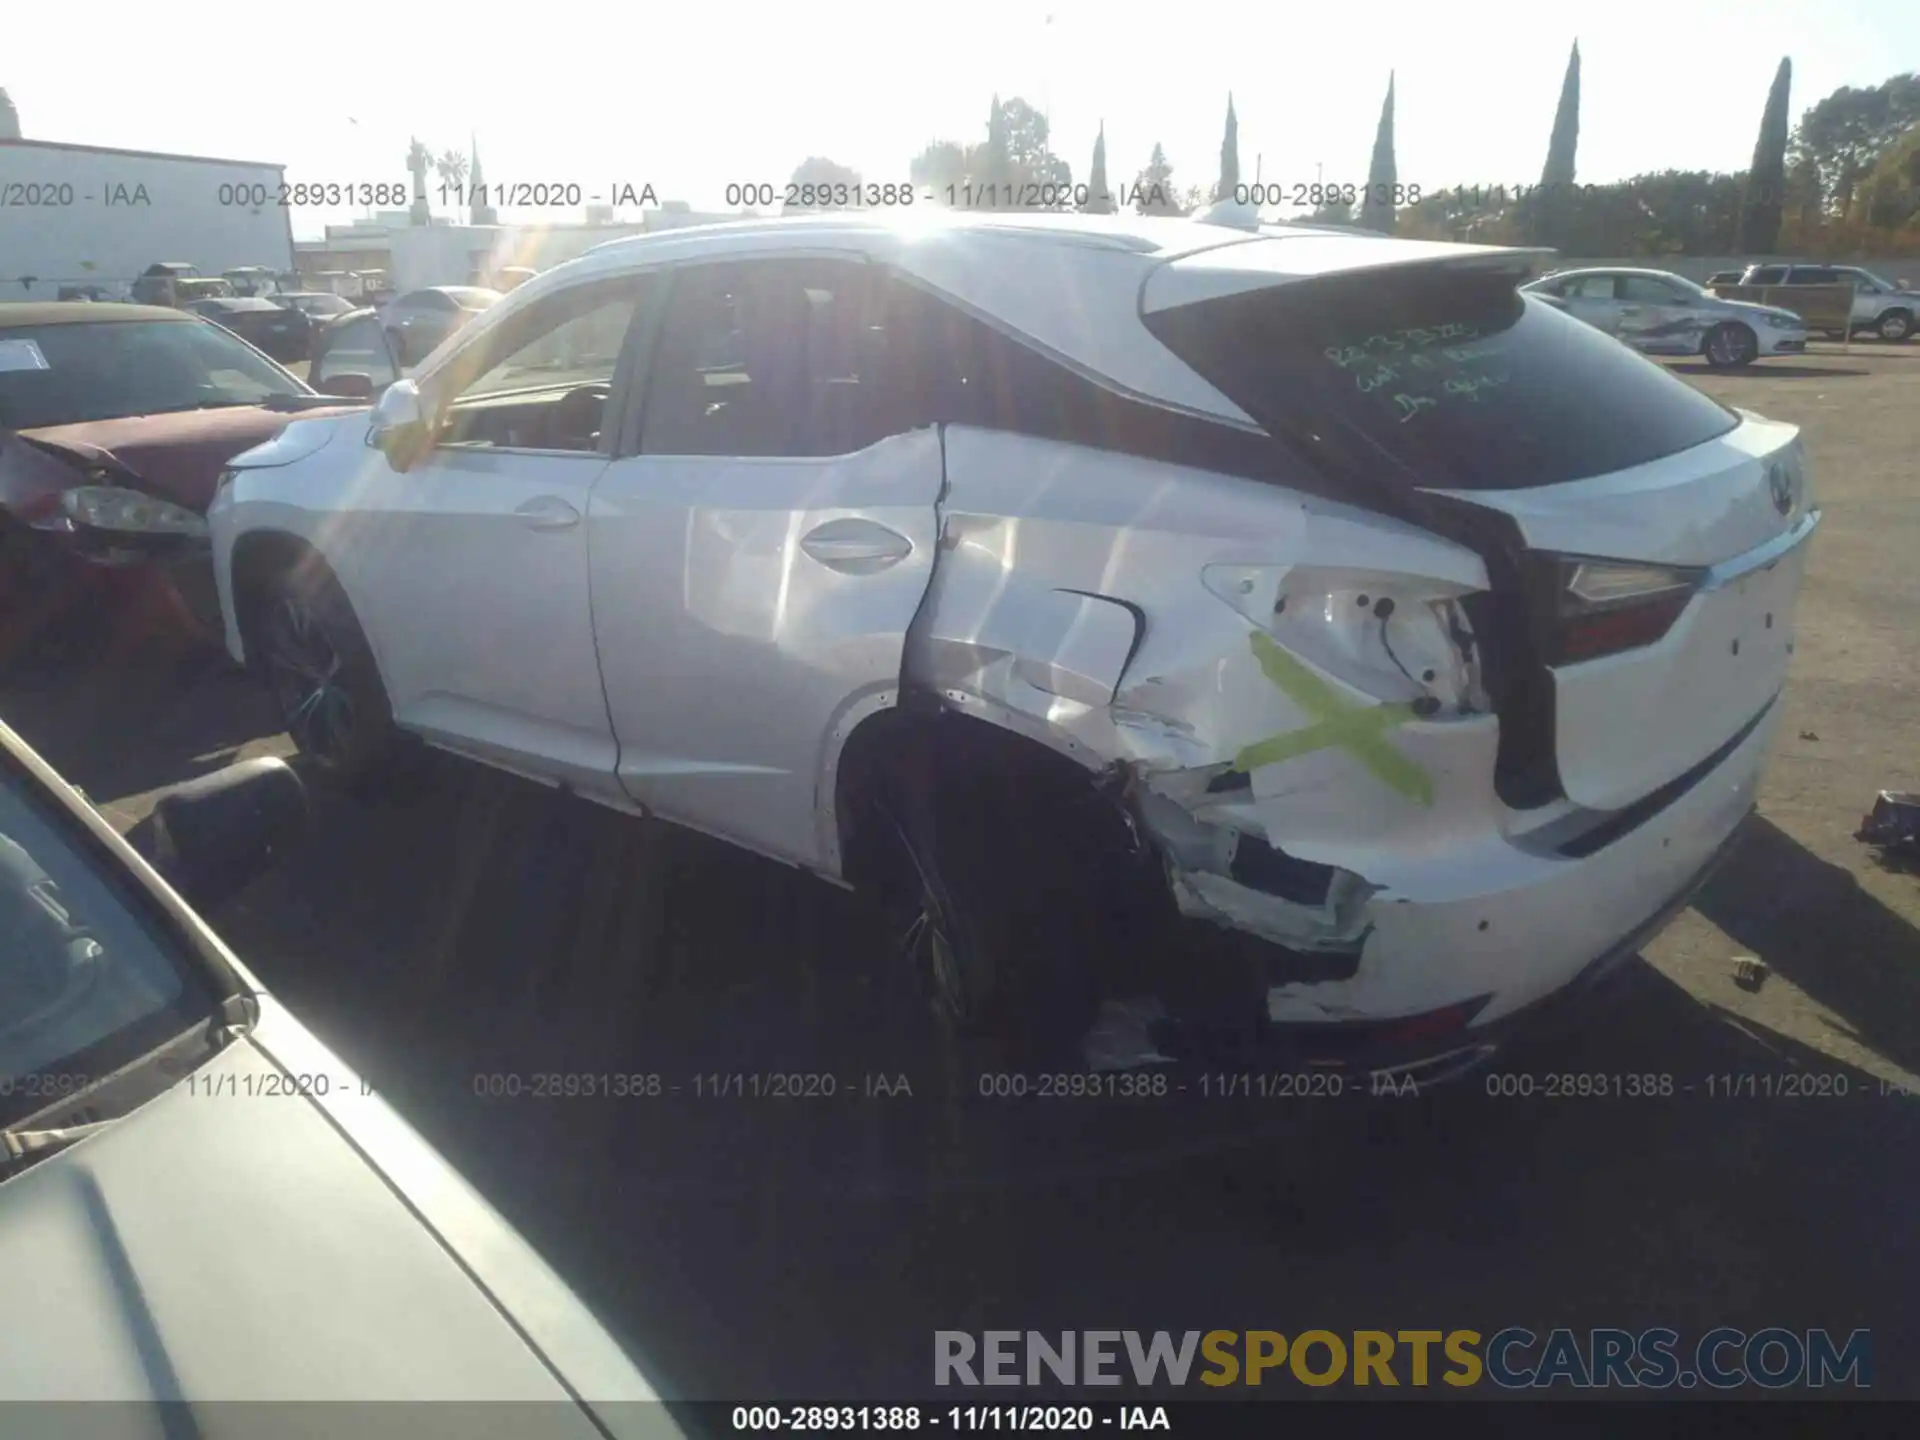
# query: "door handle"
{"type": "Point", "coordinates": [547, 512]}
{"type": "Point", "coordinates": [857, 547]}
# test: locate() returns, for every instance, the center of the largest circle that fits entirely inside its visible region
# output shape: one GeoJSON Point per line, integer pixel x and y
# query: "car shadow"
{"type": "Point", "coordinates": [472, 940]}
{"type": "Point", "coordinates": [1813, 923]}
{"type": "Point", "coordinates": [140, 720]}
{"type": "Point", "coordinates": [1763, 370]}
{"type": "Point", "coordinates": [459, 948]}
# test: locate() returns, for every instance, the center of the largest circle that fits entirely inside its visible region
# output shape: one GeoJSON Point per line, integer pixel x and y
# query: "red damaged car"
{"type": "Point", "coordinates": [115, 423]}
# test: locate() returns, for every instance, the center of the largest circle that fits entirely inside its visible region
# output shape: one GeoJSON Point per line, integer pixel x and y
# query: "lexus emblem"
{"type": "Point", "coordinates": [1780, 481]}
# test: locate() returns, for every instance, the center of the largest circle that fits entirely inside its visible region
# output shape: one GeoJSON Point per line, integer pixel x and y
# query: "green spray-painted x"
{"type": "Point", "coordinates": [1360, 730]}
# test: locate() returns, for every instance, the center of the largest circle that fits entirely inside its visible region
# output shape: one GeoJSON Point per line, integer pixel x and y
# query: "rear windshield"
{"type": "Point", "coordinates": [1455, 377]}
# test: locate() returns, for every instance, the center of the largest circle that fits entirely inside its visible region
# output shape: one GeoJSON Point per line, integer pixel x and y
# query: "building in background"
{"type": "Point", "coordinates": [91, 218]}
{"type": "Point", "coordinates": [411, 256]}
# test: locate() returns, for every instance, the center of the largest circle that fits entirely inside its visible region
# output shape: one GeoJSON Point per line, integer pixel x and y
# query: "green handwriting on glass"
{"type": "Point", "coordinates": [1468, 388]}
{"type": "Point", "coordinates": [1397, 342]}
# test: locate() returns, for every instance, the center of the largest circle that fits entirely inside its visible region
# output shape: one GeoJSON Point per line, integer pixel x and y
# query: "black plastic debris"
{"type": "Point", "coordinates": [1749, 972]}
{"type": "Point", "coordinates": [1893, 824]}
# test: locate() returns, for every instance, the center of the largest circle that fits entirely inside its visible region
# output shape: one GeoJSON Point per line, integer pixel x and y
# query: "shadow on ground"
{"type": "Point", "coordinates": [479, 932]}
{"type": "Point", "coordinates": [1811, 921]}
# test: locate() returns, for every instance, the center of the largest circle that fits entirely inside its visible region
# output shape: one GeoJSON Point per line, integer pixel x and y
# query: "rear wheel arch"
{"type": "Point", "coordinates": [1016, 840]}
{"type": "Point", "coordinates": [883, 750]}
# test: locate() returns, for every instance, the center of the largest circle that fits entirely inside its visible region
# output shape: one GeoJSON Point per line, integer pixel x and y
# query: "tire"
{"type": "Point", "coordinates": [303, 640]}
{"type": "Point", "coordinates": [1730, 346]}
{"type": "Point", "coordinates": [1895, 327]}
{"type": "Point", "coordinates": [997, 918]}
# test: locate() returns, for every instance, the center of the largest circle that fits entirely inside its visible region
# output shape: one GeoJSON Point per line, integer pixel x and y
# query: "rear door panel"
{"type": "Point", "coordinates": [743, 608]}
{"type": "Point", "coordinates": [751, 608]}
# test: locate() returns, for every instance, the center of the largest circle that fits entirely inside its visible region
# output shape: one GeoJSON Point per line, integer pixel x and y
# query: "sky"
{"type": "Point", "coordinates": [689, 98]}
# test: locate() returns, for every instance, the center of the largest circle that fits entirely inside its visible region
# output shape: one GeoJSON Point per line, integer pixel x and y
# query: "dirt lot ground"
{"type": "Point", "coordinates": [807, 1248]}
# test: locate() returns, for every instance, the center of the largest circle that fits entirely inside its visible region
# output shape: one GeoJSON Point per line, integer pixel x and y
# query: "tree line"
{"type": "Point", "coordinates": [1845, 179]}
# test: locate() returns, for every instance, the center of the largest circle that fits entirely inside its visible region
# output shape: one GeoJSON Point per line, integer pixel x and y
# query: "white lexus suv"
{"type": "Point", "coordinates": [1299, 628]}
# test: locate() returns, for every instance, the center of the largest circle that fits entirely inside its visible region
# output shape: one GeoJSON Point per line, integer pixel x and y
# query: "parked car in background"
{"type": "Point", "coordinates": [317, 305]}
{"type": "Point", "coordinates": [1660, 313]}
{"type": "Point", "coordinates": [1880, 306]}
{"type": "Point", "coordinates": [115, 421]}
{"type": "Point", "coordinates": [256, 279]}
{"type": "Point", "coordinates": [352, 356]}
{"type": "Point", "coordinates": [191, 289]}
{"type": "Point", "coordinates": [418, 320]}
{"type": "Point", "coordinates": [278, 330]}
{"type": "Point", "coordinates": [1085, 588]}
{"type": "Point", "coordinates": [164, 1119]}
{"type": "Point", "coordinates": [158, 283]}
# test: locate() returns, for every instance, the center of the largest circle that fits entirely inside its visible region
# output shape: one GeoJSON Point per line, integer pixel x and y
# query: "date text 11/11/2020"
{"type": "Point", "coordinates": [1025, 195]}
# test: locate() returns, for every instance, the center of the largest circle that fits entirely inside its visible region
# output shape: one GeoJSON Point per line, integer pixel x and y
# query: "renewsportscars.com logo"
{"type": "Point", "coordinates": [1514, 1358]}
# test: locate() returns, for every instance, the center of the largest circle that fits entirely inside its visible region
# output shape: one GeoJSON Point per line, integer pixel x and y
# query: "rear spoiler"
{"type": "Point", "coordinates": [1273, 258]}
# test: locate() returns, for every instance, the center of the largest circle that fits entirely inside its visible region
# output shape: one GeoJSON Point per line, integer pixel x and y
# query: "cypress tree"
{"type": "Point", "coordinates": [1099, 196]}
{"type": "Point", "coordinates": [1555, 198]}
{"type": "Point", "coordinates": [1765, 200]}
{"type": "Point", "coordinates": [1376, 206]}
{"type": "Point", "coordinates": [1229, 156]}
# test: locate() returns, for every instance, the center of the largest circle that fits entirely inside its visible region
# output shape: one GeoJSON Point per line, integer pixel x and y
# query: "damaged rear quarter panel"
{"type": "Point", "coordinates": [1030, 528]}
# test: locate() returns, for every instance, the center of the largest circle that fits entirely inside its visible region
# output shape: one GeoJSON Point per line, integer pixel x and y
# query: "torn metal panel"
{"type": "Point", "coordinates": [992, 637]}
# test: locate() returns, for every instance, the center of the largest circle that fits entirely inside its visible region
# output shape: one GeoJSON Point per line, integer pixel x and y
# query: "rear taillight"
{"type": "Point", "coordinates": [1602, 607]}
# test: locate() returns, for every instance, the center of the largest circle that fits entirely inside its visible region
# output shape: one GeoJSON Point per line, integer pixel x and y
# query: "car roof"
{"type": "Point", "coordinates": [1071, 285]}
{"type": "Point", "coordinates": [1141, 234]}
{"type": "Point", "coordinates": [1614, 270]}
{"type": "Point", "coordinates": [15, 313]}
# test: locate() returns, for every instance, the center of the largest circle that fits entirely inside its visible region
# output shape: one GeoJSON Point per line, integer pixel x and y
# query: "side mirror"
{"type": "Point", "coordinates": [211, 836]}
{"type": "Point", "coordinates": [351, 385]}
{"type": "Point", "coordinates": [399, 424]}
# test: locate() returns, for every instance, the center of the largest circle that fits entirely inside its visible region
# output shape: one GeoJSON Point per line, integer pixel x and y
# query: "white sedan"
{"type": "Point", "coordinates": [1660, 313]}
{"type": "Point", "coordinates": [1069, 581]}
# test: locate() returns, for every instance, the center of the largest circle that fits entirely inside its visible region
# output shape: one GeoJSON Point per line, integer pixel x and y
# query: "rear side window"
{"type": "Point", "coordinates": [1768, 275]}
{"type": "Point", "coordinates": [947, 367]}
{"type": "Point", "coordinates": [1453, 376]}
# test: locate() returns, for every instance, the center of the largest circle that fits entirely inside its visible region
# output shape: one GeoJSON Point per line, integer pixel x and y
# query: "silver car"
{"type": "Point", "coordinates": [164, 1121]}
{"type": "Point", "coordinates": [419, 320]}
{"type": "Point", "coordinates": [1660, 313]}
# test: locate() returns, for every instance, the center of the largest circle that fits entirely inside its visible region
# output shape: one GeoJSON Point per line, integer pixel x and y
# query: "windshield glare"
{"type": "Point", "coordinates": [68, 374]}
